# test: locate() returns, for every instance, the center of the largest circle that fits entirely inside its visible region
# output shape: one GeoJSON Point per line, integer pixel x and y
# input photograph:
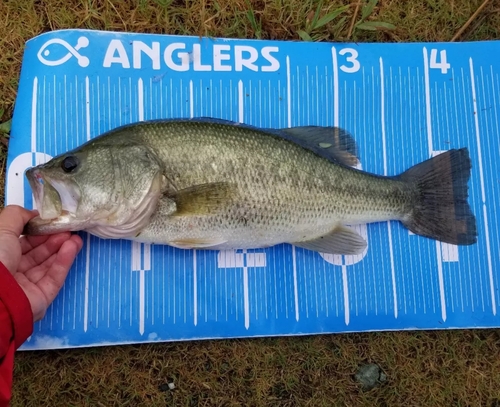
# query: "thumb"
{"type": "Point", "coordinates": [12, 221]}
{"type": "Point", "coordinates": [13, 218]}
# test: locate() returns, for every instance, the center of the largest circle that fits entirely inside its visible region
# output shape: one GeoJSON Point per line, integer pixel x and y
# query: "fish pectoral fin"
{"type": "Point", "coordinates": [334, 142]}
{"type": "Point", "coordinates": [341, 240]}
{"type": "Point", "coordinates": [196, 243]}
{"type": "Point", "coordinates": [204, 199]}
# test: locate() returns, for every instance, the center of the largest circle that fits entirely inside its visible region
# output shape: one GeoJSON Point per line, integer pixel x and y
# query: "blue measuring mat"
{"type": "Point", "coordinates": [403, 103]}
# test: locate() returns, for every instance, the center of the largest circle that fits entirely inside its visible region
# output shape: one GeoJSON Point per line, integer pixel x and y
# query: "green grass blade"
{"type": "Point", "coordinates": [316, 15]}
{"type": "Point", "coordinates": [368, 9]}
{"type": "Point", "coordinates": [375, 25]}
{"type": "Point", "coordinates": [305, 36]}
{"type": "Point", "coordinates": [330, 16]}
{"type": "Point", "coordinates": [5, 127]}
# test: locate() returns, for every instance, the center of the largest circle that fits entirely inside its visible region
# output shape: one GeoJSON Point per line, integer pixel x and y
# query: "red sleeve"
{"type": "Point", "coordinates": [16, 325]}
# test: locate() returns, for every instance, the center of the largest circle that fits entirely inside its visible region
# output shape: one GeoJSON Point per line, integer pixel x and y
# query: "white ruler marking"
{"type": "Point", "coordinates": [271, 105]}
{"type": "Point", "coordinates": [483, 190]}
{"type": "Point", "coordinates": [191, 100]}
{"type": "Point", "coordinates": [87, 260]}
{"type": "Point", "coordinates": [318, 90]}
{"type": "Point", "coordinates": [44, 109]}
{"type": "Point", "coordinates": [86, 291]}
{"type": "Point", "coordinates": [141, 253]}
{"type": "Point", "coordinates": [119, 110]}
{"type": "Point", "coordinates": [151, 99]}
{"type": "Point", "coordinates": [384, 152]}
{"type": "Point", "coordinates": [495, 108]}
{"type": "Point", "coordinates": [241, 106]}
{"type": "Point", "coordinates": [246, 301]}
{"type": "Point", "coordinates": [109, 288]}
{"type": "Point", "coordinates": [285, 285]}
{"type": "Point", "coordinates": [439, 258]}
{"type": "Point", "coordinates": [335, 87]}
{"type": "Point", "coordinates": [87, 106]}
{"type": "Point", "coordinates": [33, 114]}
{"type": "Point", "coordinates": [97, 290]}
{"type": "Point", "coordinates": [288, 92]}
{"type": "Point", "coordinates": [54, 108]}
{"type": "Point", "coordinates": [142, 290]}
{"type": "Point", "coordinates": [458, 125]}
{"type": "Point", "coordinates": [465, 116]}
{"type": "Point", "coordinates": [345, 287]}
{"type": "Point", "coordinates": [428, 100]}
{"type": "Point", "coordinates": [345, 283]}
{"type": "Point", "coordinates": [246, 298]}
{"type": "Point", "coordinates": [140, 99]}
{"type": "Point", "coordinates": [295, 288]}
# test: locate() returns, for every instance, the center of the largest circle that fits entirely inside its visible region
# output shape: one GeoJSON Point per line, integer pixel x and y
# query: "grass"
{"type": "Point", "coordinates": [423, 368]}
{"type": "Point", "coordinates": [452, 368]}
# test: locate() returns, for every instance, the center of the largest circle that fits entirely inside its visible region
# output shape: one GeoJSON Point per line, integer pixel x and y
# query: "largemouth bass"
{"type": "Point", "coordinates": [213, 184]}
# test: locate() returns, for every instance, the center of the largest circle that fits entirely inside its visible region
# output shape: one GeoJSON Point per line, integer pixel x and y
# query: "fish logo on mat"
{"type": "Point", "coordinates": [46, 55]}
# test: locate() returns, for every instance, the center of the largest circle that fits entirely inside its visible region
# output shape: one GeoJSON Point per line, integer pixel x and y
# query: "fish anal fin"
{"type": "Point", "coordinates": [333, 142]}
{"type": "Point", "coordinates": [196, 243]}
{"type": "Point", "coordinates": [342, 240]}
{"type": "Point", "coordinates": [204, 199]}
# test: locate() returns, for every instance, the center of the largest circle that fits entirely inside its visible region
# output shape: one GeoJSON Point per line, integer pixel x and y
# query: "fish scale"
{"type": "Point", "coordinates": [286, 192]}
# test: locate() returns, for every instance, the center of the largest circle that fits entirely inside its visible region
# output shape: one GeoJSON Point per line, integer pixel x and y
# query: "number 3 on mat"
{"type": "Point", "coordinates": [352, 59]}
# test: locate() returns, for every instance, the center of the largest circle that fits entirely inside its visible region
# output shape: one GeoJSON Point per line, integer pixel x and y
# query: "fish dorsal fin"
{"type": "Point", "coordinates": [341, 240]}
{"type": "Point", "coordinates": [204, 199]}
{"type": "Point", "coordinates": [333, 142]}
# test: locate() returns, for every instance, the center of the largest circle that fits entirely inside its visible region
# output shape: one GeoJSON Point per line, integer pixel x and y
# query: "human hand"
{"type": "Point", "coordinates": [39, 264]}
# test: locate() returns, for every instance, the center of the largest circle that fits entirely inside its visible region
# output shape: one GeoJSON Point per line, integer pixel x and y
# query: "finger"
{"type": "Point", "coordinates": [52, 281]}
{"type": "Point", "coordinates": [39, 254]}
{"type": "Point", "coordinates": [36, 273]}
{"type": "Point", "coordinates": [78, 240]}
{"type": "Point", "coordinates": [29, 242]}
{"type": "Point", "coordinates": [13, 218]}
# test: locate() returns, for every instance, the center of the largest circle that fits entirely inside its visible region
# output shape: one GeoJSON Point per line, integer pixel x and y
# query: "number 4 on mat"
{"type": "Point", "coordinates": [444, 65]}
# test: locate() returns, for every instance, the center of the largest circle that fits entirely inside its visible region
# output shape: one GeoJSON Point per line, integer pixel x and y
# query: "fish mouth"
{"type": "Point", "coordinates": [52, 198]}
{"type": "Point", "coordinates": [63, 223]}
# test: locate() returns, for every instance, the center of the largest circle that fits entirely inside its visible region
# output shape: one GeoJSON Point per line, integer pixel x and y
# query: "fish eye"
{"type": "Point", "coordinates": [70, 163]}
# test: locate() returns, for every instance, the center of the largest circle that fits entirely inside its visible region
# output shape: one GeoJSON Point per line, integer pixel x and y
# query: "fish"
{"type": "Point", "coordinates": [208, 183]}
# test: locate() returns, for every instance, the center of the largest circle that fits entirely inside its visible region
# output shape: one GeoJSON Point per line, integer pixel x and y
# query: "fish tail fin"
{"type": "Point", "coordinates": [440, 210]}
